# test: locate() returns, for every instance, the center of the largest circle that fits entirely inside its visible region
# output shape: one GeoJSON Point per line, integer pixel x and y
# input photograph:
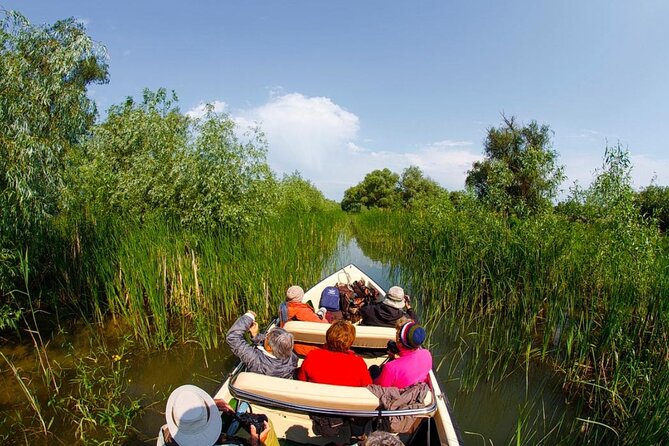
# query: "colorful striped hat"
{"type": "Point", "coordinates": [412, 335]}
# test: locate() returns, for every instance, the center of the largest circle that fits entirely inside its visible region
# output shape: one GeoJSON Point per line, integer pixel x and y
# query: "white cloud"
{"type": "Point", "coordinates": [317, 137]}
{"type": "Point", "coordinates": [201, 109]}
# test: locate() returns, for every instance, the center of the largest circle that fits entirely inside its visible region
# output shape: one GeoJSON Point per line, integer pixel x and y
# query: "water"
{"type": "Point", "coordinates": [488, 415]}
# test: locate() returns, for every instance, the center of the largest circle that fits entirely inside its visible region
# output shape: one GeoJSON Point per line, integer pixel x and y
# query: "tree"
{"type": "Point", "coordinates": [518, 174]}
{"type": "Point", "coordinates": [654, 203]}
{"type": "Point", "coordinates": [379, 189]}
{"type": "Point", "coordinates": [149, 159]}
{"type": "Point", "coordinates": [416, 188]}
{"type": "Point", "coordinates": [44, 112]}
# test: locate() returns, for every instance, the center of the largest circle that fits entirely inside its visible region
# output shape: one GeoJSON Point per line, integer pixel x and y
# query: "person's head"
{"type": "Point", "coordinates": [395, 298]}
{"type": "Point", "coordinates": [340, 336]}
{"type": "Point", "coordinates": [381, 438]}
{"type": "Point", "coordinates": [279, 342]}
{"type": "Point", "coordinates": [410, 335]}
{"type": "Point", "coordinates": [294, 294]}
{"type": "Point", "coordinates": [192, 417]}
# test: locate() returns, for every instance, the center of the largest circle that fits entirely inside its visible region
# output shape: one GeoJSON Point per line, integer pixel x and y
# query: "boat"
{"type": "Point", "coordinates": [290, 404]}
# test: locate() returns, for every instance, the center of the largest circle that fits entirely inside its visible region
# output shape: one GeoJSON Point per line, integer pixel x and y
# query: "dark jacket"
{"type": "Point", "coordinates": [382, 315]}
{"type": "Point", "coordinates": [257, 360]}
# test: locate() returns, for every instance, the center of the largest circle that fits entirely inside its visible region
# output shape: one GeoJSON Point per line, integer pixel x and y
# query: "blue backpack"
{"type": "Point", "coordinates": [330, 298]}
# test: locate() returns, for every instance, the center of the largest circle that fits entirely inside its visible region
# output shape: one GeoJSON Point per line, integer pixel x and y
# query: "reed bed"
{"type": "Point", "coordinates": [170, 284]}
{"type": "Point", "coordinates": [590, 300]}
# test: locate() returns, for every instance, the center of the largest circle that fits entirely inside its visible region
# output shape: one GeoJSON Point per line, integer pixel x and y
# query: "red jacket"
{"type": "Point", "coordinates": [328, 367]}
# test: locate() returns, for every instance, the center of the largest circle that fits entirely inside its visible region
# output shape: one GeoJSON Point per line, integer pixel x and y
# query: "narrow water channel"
{"type": "Point", "coordinates": [488, 415]}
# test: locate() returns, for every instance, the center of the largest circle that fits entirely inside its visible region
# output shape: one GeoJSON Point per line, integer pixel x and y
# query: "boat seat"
{"type": "Point", "coordinates": [365, 336]}
{"type": "Point", "coordinates": [312, 397]}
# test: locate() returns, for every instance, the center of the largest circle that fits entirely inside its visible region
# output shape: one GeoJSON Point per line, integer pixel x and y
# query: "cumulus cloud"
{"type": "Point", "coordinates": [201, 109]}
{"type": "Point", "coordinates": [319, 138]}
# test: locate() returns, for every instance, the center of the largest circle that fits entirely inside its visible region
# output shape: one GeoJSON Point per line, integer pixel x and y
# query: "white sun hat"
{"type": "Point", "coordinates": [192, 417]}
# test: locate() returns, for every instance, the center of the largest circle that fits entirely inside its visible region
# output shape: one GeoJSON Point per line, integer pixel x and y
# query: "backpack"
{"type": "Point", "coordinates": [330, 298]}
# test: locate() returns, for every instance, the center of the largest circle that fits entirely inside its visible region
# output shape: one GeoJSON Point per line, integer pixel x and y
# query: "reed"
{"type": "Point", "coordinates": [590, 300]}
{"type": "Point", "coordinates": [171, 285]}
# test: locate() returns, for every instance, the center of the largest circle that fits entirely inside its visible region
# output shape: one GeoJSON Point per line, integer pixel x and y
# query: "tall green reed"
{"type": "Point", "coordinates": [591, 300]}
{"type": "Point", "coordinates": [171, 284]}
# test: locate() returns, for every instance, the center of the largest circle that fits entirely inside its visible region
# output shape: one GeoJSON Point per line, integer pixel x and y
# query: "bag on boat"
{"type": "Point", "coordinates": [327, 426]}
{"type": "Point", "coordinates": [353, 297]}
{"type": "Point", "coordinates": [392, 398]}
{"type": "Point", "coordinates": [330, 298]}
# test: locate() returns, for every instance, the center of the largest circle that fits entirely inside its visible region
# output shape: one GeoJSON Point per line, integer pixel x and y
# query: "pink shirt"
{"type": "Point", "coordinates": [410, 368]}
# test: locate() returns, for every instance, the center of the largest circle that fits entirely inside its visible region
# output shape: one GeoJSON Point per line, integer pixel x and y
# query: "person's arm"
{"type": "Point", "coordinates": [236, 341]}
{"type": "Point", "coordinates": [385, 379]}
{"type": "Point", "coordinates": [412, 314]}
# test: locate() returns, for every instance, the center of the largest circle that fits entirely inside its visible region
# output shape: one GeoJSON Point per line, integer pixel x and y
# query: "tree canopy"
{"type": "Point", "coordinates": [519, 174]}
{"type": "Point", "coordinates": [44, 111]}
{"type": "Point", "coordinates": [385, 189]}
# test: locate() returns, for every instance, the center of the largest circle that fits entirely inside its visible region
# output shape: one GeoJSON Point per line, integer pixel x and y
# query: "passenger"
{"type": "Point", "coordinates": [272, 354]}
{"type": "Point", "coordinates": [194, 419]}
{"type": "Point", "coordinates": [412, 363]}
{"type": "Point", "coordinates": [293, 309]}
{"type": "Point", "coordinates": [386, 313]}
{"type": "Point", "coordinates": [336, 363]}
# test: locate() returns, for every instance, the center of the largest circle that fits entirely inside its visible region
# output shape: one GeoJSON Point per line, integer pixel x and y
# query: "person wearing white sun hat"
{"type": "Point", "coordinates": [385, 313]}
{"type": "Point", "coordinates": [193, 419]}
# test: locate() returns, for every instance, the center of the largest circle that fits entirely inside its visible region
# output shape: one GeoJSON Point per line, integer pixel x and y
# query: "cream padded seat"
{"type": "Point", "coordinates": [322, 396]}
{"type": "Point", "coordinates": [365, 336]}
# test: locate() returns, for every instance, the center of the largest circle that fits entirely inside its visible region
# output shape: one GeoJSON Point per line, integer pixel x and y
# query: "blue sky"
{"type": "Point", "coordinates": [345, 87]}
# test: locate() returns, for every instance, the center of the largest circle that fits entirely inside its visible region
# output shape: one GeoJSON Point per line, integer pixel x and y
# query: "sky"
{"type": "Point", "coordinates": [341, 88]}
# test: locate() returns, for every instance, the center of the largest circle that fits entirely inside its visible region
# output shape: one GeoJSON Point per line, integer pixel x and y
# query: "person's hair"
{"type": "Point", "coordinates": [281, 343]}
{"type": "Point", "coordinates": [381, 438]}
{"type": "Point", "coordinates": [340, 336]}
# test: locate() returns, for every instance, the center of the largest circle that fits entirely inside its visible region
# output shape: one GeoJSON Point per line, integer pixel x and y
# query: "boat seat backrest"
{"type": "Point", "coordinates": [306, 394]}
{"type": "Point", "coordinates": [365, 336]}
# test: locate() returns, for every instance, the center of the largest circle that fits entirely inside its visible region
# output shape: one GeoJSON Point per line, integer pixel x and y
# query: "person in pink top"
{"type": "Point", "coordinates": [412, 363]}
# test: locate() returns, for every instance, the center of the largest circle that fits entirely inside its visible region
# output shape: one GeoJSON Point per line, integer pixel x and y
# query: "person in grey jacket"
{"type": "Point", "coordinates": [271, 354]}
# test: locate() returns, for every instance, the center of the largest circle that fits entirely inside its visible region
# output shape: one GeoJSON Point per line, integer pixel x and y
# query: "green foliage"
{"type": "Point", "coordinates": [653, 202]}
{"type": "Point", "coordinates": [386, 190]}
{"type": "Point", "coordinates": [149, 159]}
{"type": "Point", "coordinates": [379, 189]}
{"type": "Point", "coordinates": [417, 190]}
{"type": "Point", "coordinates": [101, 406]}
{"type": "Point", "coordinates": [518, 175]}
{"type": "Point", "coordinates": [299, 196]}
{"type": "Point", "coordinates": [44, 111]}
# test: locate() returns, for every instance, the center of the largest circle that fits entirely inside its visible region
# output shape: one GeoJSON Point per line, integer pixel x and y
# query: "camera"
{"type": "Point", "coordinates": [246, 420]}
{"type": "Point", "coordinates": [393, 348]}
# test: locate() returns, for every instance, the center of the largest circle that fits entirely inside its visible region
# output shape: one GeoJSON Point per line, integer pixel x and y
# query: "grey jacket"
{"type": "Point", "coordinates": [255, 359]}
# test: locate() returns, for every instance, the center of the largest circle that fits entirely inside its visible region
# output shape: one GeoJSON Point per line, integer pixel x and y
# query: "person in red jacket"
{"type": "Point", "coordinates": [293, 309]}
{"type": "Point", "coordinates": [336, 363]}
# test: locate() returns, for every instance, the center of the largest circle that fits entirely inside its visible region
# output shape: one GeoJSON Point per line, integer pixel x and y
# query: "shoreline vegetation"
{"type": "Point", "coordinates": [169, 225]}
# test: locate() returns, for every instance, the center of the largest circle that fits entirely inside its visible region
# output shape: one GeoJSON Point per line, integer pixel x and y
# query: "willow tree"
{"type": "Point", "coordinates": [44, 111]}
{"type": "Point", "coordinates": [519, 174]}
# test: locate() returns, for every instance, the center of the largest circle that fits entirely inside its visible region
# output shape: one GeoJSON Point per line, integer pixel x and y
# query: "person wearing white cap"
{"type": "Point", "coordinates": [293, 309]}
{"type": "Point", "coordinates": [193, 419]}
{"type": "Point", "coordinates": [386, 313]}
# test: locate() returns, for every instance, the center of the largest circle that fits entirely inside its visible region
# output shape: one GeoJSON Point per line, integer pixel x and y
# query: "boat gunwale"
{"type": "Point", "coordinates": [426, 411]}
